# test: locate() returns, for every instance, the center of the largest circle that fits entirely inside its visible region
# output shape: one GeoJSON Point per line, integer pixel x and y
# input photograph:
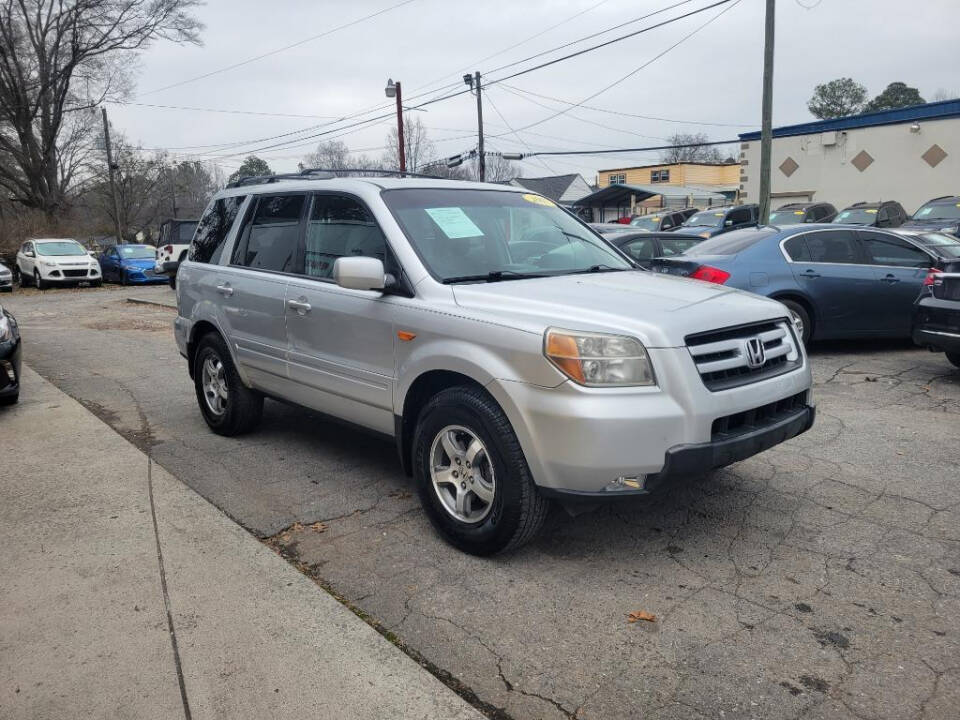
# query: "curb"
{"type": "Point", "coordinates": [139, 301]}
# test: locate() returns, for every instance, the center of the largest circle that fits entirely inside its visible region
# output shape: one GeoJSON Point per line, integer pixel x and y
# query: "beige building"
{"type": "Point", "coordinates": [910, 155]}
{"type": "Point", "coordinates": [725, 175]}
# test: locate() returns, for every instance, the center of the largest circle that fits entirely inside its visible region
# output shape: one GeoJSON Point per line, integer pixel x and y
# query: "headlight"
{"type": "Point", "coordinates": [48, 263]}
{"type": "Point", "coordinates": [598, 359]}
{"type": "Point", "coordinates": [705, 235]}
{"type": "Point", "coordinates": [6, 332]}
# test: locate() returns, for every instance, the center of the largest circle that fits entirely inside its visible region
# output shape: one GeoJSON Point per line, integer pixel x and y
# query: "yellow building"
{"type": "Point", "coordinates": [708, 175]}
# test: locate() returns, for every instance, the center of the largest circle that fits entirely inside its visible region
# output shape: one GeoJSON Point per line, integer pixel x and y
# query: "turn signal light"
{"type": "Point", "coordinates": [710, 274]}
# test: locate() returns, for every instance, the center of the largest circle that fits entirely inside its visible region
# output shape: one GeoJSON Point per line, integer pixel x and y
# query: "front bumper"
{"type": "Point", "coordinates": [59, 275]}
{"type": "Point", "coordinates": [141, 278]}
{"type": "Point", "coordinates": [579, 440]}
{"type": "Point", "coordinates": [9, 362]}
{"type": "Point", "coordinates": [6, 282]}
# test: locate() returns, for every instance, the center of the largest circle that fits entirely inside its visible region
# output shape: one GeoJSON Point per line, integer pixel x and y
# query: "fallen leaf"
{"type": "Point", "coordinates": [641, 615]}
{"type": "Point", "coordinates": [318, 527]}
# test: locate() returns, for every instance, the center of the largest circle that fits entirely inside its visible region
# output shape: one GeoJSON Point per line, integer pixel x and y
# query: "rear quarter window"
{"type": "Point", "coordinates": [213, 228]}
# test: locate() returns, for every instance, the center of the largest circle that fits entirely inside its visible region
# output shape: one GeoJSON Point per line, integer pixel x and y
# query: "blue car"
{"type": "Point", "coordinates": [130, 265]}
{"type": "Point", "coordinates": [837, 282]}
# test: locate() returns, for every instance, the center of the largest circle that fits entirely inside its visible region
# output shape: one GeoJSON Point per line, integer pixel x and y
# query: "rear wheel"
{"type": "Point", "coordinates": [228, 406]}
{"type": "Point", "coordinates": [801, 318]}
{"type": "Point", "coordinates": [471, 474]}
{"type": "Point", "coordinates": [954, 357]}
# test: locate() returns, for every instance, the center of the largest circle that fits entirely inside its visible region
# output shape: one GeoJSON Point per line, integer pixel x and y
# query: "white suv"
{"type": "Point", "coordinates": [46, 262]}
{"type": "Point", "coordinates": [513, 355]}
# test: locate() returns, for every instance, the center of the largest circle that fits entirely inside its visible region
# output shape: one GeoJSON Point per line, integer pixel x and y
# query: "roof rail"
{"type": "Point", "coordinates": [943, 197]}
{"type": "Point", "coordinates": [325, 174]}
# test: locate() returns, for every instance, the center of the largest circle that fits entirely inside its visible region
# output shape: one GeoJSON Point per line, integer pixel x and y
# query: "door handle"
{"type": "Point", "coordinates": [811, 274]}
{"type": "Point", "coordinates": [888, 278]}
{"type": "Point", "coordinates": [225, 290]}
{"type": "Point", "coordinates": [301, 306]}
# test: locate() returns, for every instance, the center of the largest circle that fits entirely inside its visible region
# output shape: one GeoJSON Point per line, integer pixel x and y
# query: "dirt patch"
{"type": "Point", "coordinates": [135, 323]}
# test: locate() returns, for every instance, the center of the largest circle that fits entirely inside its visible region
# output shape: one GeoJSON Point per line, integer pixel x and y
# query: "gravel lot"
{"type": "Point", "coordinates": [818, 580]}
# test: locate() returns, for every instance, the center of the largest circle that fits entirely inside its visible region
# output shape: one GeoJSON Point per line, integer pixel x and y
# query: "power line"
{"type": "Point", "coordinates": [639, 149]}
{"type": "Point", "coordinates": [510, 128]}
{"type": "Point", "coordinates": [644, 65]}
{"type": "Point", "coordinates": [218, 110]}
{"type": "Point", "coordinates": [624, 114]}
{"type": "Point", "coordinates": [280, 50]}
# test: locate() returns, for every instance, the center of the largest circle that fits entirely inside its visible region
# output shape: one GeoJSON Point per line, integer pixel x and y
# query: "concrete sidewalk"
{"type": "Point", "coordinates": [87, 560]}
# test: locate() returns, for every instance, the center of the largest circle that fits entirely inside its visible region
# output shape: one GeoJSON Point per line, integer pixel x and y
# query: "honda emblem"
{"type": "Point", "coordinates": [754, 352]}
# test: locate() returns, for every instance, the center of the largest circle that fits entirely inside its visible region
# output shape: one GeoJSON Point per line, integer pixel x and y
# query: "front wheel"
{"type": "Point", "coordinates": [228, 406]}
{"type": "Point", "coordinates": [173, 282]}
{"type": "Point", "coordinates": [954, 357]}
{"type": "Point", "coordinates": [472, 476]}
{"type": "Point", "coordinates": [801, 319]}
{"type": "Point", "coordinates": [40, 283]}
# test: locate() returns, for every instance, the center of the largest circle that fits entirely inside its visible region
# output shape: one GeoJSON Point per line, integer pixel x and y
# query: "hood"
{"type": "Point", "coordinates": [659, 310]}
{"type": "Point", "coordinates": [930, 224]}
{"type": "Point", "coordinates": [142, 263]}
{"type": "Point", "coordinates": [67, 260]}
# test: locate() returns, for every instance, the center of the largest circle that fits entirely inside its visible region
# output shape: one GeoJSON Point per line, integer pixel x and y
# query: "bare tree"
{"type": "Point", "coordinates": [696, 153]}
{"type": "Point", "coordinates": [335, 155]}
{"type": "Point", "coordinates": [45, 47]}
{"type": "Point", "coordinates": [416, 144]}
{"type": "Point", "coordinates": [942, 94]}
{"type": "Point", "coordinates": [500, 170]}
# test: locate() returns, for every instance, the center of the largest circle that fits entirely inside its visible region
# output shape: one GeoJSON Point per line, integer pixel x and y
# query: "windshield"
{"type": "Point", "coordinates": [938, 211]}
{"type": "Point", "coordinates": [707, 218]}
{"type": "Point", "coordinates": [731, 243]}
{"type": "Point", "coordinates": [941, 243]}
{"type": "Point", "coordinates": [137, 252]}
{"type": "Point", "coordinates": [65, 247]}
{"type": "Point", "coordinates": [186, 231]}
{"type": "Point", "coordinates": [464, 235]}
{"type": "Point", "coordinates": [787, 217]}
{"type": "Point", "coordinates": [647, 222]}
{"type": "Point", "coordinates": [857, 216]}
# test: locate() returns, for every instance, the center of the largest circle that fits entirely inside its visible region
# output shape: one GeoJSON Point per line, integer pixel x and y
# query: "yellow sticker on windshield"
{"type": "Point", "coordinates": [871, 211]}
{"type": "Point", "coordinates": [538, 200]}
{"type": "Point", "coordinates": [798, 212]}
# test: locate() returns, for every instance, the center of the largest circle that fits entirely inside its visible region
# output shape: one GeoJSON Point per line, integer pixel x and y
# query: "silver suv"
{"type": "Point", "coordinates": [512, 354]}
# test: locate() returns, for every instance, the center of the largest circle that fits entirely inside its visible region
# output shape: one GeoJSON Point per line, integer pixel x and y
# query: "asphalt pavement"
{"type": "Point", "coordinates": [820, 579]}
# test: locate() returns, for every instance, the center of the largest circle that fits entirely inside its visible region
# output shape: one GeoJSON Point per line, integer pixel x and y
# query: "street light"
{"type": "Point", "coordinates": [393, 90]}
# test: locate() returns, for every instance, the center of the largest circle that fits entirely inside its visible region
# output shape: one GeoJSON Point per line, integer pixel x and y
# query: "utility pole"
{"type": "Point", "coordinates": [393, 90]}
{"type": "Point", "coordinates": [766, 124]}
{"type": "Point", "coordinates": [113, 184]}
{"type": "Point", "coordinates": [171, 176]}
{"type": "Point", "coordinates": [481, 157]}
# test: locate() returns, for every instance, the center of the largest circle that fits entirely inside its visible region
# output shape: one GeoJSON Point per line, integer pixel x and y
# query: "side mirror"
{"type": "Point", "coordinates": [359, 273]}
{"type": "Point", "coordinates": [29, 253]}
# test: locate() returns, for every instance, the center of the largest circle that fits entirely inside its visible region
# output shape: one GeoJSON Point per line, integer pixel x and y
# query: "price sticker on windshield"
{"type": "Point", "coordinates": [454, 222]}
{"type": "Point", "coordinates": [538, 200]}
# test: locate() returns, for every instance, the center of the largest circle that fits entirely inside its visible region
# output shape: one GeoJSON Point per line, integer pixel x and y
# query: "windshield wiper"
{"type": "Point", "coordinates": [493, 276]}
{"type": "Point", "coordinates": [598, 269]}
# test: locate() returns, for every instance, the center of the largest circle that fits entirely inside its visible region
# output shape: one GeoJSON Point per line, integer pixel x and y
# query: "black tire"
{"type": "Point", "coordinates": [173, 282]}
{"type": "Point", "coordinates": [23, 280]}
{"type": "Point", "coordinates": [517, 510]}
{"type": "Point", "coordinates": [39, 281]}
{"type": "Point", "coordinates": [96, 283]}
{"type": "Point", "coordinates": [954, 357]}
{"type": "Point", "coordinates": [801, 312]}
{"type": "Point", "coordinates": [243, 406]}
{"type": "Point", "coordinates": [10, 399]}
{"type": "Point", "coordinates": [122, 279]}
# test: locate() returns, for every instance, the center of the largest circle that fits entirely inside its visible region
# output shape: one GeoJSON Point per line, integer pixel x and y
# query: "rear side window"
{"type": "Point", "coordinates": [833, 246]}
{"type": "Point", "coordinates": [796, 248]}
{"type": "Point", "coordinates": [894, 252]}
{"type": "Point", "coordinates": [737, 217]}
{"type": "Point", "coordinates": [677, 245]}
{"type": "Point", "coordinates": [268, 240]}
{"type": "Point", "coordinates": [339, 226]}
{"type": "Point", "coordinates": [213, 228]}
{"type": "Point", "coordinates": [187, 229]}
{"type": "Point", "coordinates": [640, 249]}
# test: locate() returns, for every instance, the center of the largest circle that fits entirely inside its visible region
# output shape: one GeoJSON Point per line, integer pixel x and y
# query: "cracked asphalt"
{"type": "Point", "coordinates": [820, 579]}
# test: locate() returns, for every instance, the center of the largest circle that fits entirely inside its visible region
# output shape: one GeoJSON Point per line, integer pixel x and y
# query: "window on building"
{"type": "Point", "coordinates": [618, 178]}
{"type": "Point", "coordinates": [659, 176]}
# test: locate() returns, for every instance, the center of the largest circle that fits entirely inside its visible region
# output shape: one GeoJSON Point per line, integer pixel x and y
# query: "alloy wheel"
{"type": "Point", "coordinates": [214, 385]}
{"type": "Point", "coordinates": [462, 474]}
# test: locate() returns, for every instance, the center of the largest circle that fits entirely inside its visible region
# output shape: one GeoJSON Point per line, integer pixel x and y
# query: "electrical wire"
{"type": "Point", "coordinates": [279, 50]}
{"type": "Point", "coordinates": [515, 133]}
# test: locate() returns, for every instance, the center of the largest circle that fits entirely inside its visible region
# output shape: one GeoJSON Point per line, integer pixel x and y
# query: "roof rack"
{"type": "Point", "coordinates": [325, 174]}
{"type": "Point", "coordinates": [943, 197]}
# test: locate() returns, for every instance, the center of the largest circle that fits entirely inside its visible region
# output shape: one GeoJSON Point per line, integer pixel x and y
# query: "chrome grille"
{"type": "Point", "coordinates": [745, 354]}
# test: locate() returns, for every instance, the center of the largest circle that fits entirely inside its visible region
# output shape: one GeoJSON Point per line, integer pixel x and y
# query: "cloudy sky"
{"type": "Point", "coordinates": [708, 83]}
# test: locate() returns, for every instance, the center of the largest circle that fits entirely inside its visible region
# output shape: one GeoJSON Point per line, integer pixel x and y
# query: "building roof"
{"type": "Point", "coordinates": [553, 186]}
{"type": "Point", "coordinates": [666, 165]}
{"type": "Point", "coordinates": [620, 193]}
{"type": "Point", "coordinates": [928, 111]}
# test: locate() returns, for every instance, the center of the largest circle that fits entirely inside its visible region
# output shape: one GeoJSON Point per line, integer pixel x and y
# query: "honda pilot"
{"type": "Point", "coordinates": [513, 355]}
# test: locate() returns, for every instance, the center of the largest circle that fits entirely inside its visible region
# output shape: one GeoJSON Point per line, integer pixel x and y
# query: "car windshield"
{"type": "Point", "coordinates": [647, 222]}
{"type": "Point", "coordinates": [64, 247]}
{"type": "Point", "coordinates": [186, 231]}
{"type": "Point", "coordinates": [787, 217]}
{"type": "Point", "coordinates": [938, 211]}
{"type": "Point", "coordinates": [137, 252]}
{"type": "Point", "coordinates": [474, 235]}
{"type": "Point", "coordinates": [707, 218]}
{"type": "Point", "coordinates": [941, 243]}
{"type": "Point", "coordinates": [731, 243]}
